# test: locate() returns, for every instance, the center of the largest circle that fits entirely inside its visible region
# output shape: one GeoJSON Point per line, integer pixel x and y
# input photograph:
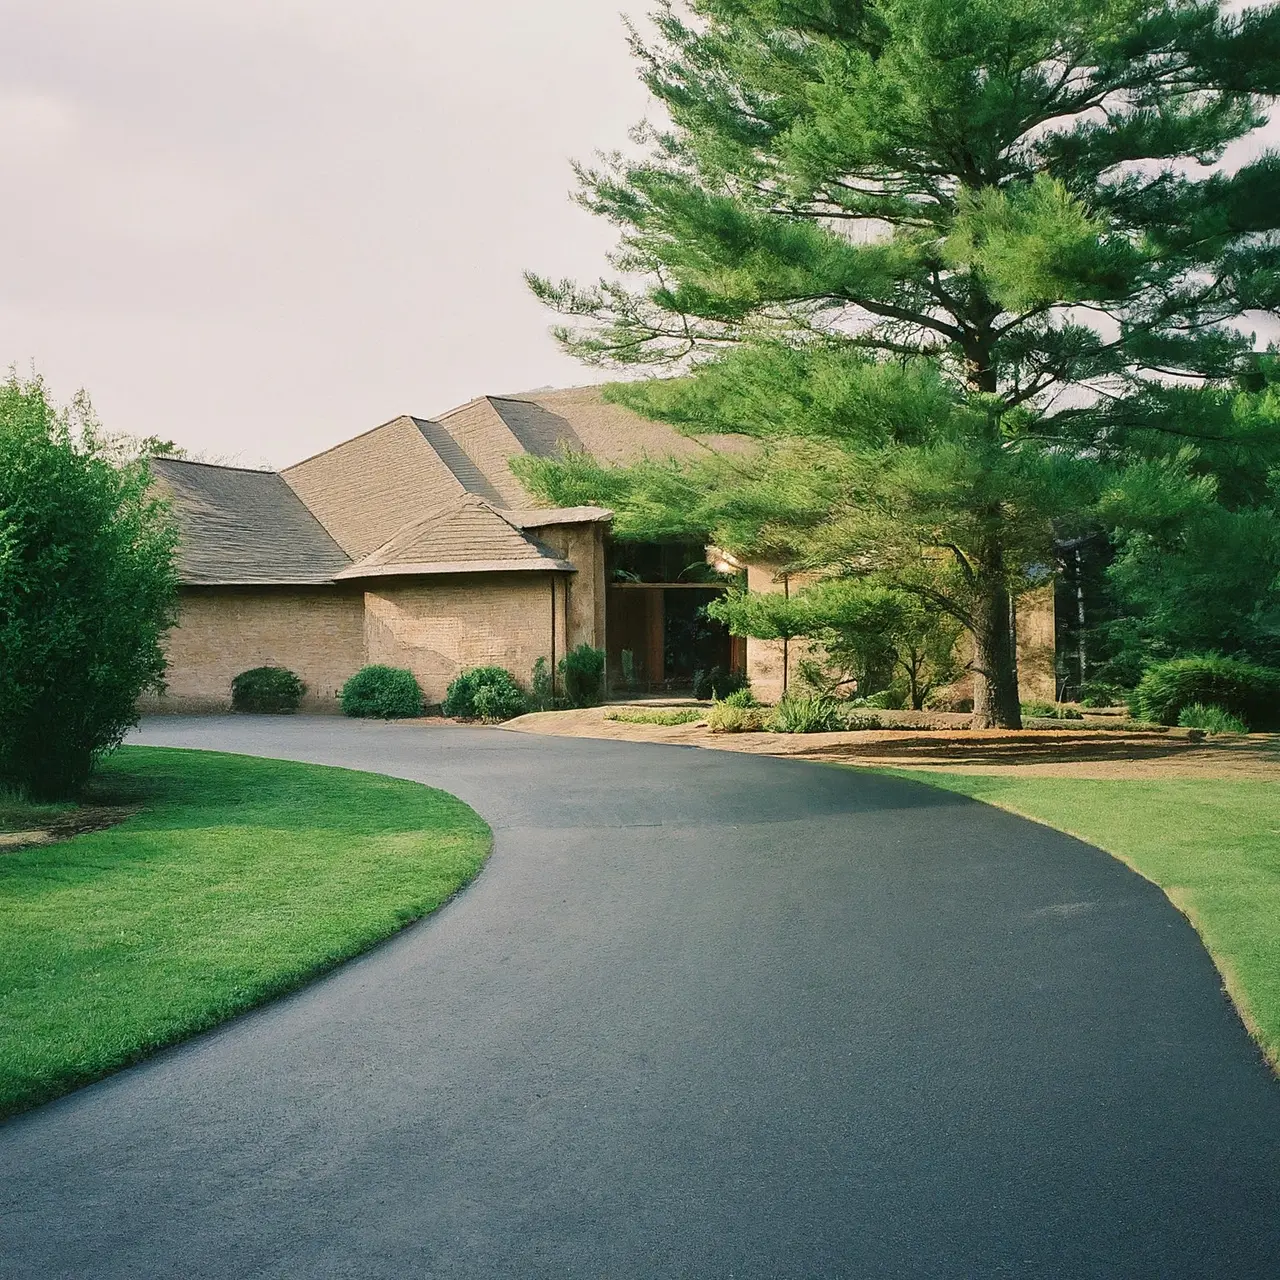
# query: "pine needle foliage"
{"type": "Point", "coordinates": [956, 268]}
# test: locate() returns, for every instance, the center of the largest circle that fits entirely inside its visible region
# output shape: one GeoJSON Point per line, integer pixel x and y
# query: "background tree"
{"type": "Point", "coordinates": [1011, 203]}
{"type": "Point", "coordinates": [87, 591]}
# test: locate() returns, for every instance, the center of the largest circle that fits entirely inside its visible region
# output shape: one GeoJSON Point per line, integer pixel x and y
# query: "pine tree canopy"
{"type": "Point", "coordinates": [971, 273]}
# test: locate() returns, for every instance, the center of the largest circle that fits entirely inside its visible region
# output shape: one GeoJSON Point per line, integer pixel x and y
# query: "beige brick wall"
{"type": "Point", "coordinates": [439, 626]}
{"type": "Point", "coordinates": [1037, 644]}
{"type": "Point", "coordinates": [316, 632]}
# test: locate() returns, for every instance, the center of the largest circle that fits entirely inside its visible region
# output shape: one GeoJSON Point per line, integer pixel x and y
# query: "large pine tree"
{"type": "Point", "coordinates": [945, 260]}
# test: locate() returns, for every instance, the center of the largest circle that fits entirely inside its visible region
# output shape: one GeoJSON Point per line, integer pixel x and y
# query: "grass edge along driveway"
{"type": "Point", "coordinates": [1212, 845]}
{"type": "Point", "coordinates": [239, 880]}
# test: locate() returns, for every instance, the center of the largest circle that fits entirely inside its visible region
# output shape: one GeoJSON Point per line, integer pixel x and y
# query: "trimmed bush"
{"type": "Point", "coordinates": [506, 700]}
{"type": "Point", "coordinates": [717, 683]}
{"type": "Point", "coordinates": [382, 693]}
{"type": "Point", "coordinates": [808, 714]}
{"type": "Point", "coordinates": [267, 691]}
{"type": "Point", "coordinates": [1211, 719]}
{"type": "Point", "coordinates": [582, 672]}
{"type": "Point", "coordinates": [1243, 689]}
{"type": "Point", "coordinates": [498, 702]}
{"type": "Point", "coordinates": [723, 718]}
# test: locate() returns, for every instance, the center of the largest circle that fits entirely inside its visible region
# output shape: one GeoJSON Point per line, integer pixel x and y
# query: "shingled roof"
{"type": "Point", "coordinates": [244, 528]}
{"type": "Point", "coordinates": [468, 536]}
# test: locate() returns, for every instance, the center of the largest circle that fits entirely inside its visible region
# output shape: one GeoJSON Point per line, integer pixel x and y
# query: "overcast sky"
{"type": "Point", "coordinates": [258, 227]}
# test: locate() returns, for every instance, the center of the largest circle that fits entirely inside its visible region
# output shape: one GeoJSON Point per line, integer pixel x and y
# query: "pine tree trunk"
{"type": "Point", "coordinates": [995, 678]}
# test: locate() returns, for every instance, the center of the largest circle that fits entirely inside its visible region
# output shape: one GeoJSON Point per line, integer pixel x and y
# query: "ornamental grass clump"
{"type": "Point", "coordinates": [267, 691]}
{"type": "Point", "coordinates": [1243, 689]}
{"type": "Point", "coordinates": [726, 718]}
{"type": "Point", "coordinates": [382, 693]}
{"type": "Point", "coordinates": [801, 713]}
{"type": "Point", "coordinates": [484, 693]}
{"type": "Point", "coordinates": [1210, 719]}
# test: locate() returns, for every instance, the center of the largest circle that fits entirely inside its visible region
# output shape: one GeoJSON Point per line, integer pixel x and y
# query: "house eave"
{"type": "Point", "coordinates": [439, 568]}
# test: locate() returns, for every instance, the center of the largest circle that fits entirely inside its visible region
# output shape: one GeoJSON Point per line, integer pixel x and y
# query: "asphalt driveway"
{"type": "Point", "coordinates": [703, 1015]}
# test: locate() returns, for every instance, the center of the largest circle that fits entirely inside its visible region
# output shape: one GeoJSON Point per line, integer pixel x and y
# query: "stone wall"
{"type": "Point", "coordinates": [317, 632]}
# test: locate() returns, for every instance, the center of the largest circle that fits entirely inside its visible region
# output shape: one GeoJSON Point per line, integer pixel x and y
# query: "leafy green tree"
{"type": "Point", "coordinates": [87, 591]}
{"type": "Point", "coordinates": [944, 261]}
{"type": "Point", "coordinates": [867, 634]}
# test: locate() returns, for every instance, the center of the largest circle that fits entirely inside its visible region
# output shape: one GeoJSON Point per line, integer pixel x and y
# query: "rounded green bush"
{"type": "Point", "coordinates": [267, 691]}
{"type": "Point", "coordinates": [1242, 689]}
{"type": "Point", "coordinates": [505, 701]}
{"type": "Point", "coordinates": [382, 693]}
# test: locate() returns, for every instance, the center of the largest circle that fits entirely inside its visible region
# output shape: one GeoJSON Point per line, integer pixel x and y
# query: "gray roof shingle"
{"type": "Point", "coordinates": [244, 527]}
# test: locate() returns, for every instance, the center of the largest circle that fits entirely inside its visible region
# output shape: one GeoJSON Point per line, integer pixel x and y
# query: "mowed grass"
{"type": "Point", "coordinates": [239, 880]}
{"type": "Point", "coordinates": [1212, 845]}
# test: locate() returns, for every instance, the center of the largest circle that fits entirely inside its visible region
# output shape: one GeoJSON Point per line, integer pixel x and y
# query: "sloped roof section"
{"type": "Point", "coordinates": [468, 536]}
{"type": "Point", "coordinates": [580, 419]}
{"type": "Point", "coordinates": [366, 489]}
{"type": "Point", "coordinates": [243, 527]}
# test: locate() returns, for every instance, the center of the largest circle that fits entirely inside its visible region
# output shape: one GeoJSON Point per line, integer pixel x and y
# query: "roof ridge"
{"type": "Point", "coordinates": [221, 466]}
{"type": "Point", "coordinates": [350, 440]}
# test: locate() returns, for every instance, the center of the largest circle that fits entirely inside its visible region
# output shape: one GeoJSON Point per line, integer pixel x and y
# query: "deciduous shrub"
{"type": "Point", "coordinates": [267, 691]}
{"type": "Point", "coordinates": [382, 693]}
{"type": "Point", "coordinates": [740, 698]}
{"type": "Point", "coordinates": [505, 701]}
{"type": "Point", "coordinates": [808, 714]}
{"type": "Point", "coordinates": [1211, 719]}
{"type": "Point", "coordinates": [1243, 689]}
{"type": "Point", "coordinates": [582, 672]}
{"type": "Point", "coordinates": [87, 591]}
{"type": "Point", "coordinates": [723, 718]}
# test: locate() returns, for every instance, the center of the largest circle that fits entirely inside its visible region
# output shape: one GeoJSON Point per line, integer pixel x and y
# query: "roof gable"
{"type": "Point", "coordinates": [468, 536]}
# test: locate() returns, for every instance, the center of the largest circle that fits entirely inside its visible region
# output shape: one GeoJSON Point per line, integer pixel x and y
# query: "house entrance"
{"type": "Point", "coordinates": [658, 632]}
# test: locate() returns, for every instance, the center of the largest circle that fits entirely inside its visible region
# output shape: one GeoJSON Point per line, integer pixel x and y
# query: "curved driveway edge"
{"type": "Point", "coordinates": [703, 1015]}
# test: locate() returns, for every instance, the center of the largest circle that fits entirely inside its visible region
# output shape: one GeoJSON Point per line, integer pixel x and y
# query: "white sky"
{"type": "Point", "coordinates": [258, 227]}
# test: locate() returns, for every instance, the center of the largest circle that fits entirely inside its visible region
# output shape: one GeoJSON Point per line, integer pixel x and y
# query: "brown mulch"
{"type": "Point", "coordinates": [1071, 750]}
{"type": "Point", "coordinates": [76, 823]}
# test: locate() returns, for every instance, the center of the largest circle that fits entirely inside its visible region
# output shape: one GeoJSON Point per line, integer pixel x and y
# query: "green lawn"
{"type": "Point", "coordinates": [240, 879]}
{"type": "Point", "coordinates": [1213, 846]}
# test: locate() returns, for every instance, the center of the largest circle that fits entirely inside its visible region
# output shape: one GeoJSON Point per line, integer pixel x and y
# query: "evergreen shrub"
{"type": "Point", "coordinates": [382, 693]}
{"type": "Point", "coordinates": [267, 691]}
{"type": "Point", "coordinates": [1243, 689]}
{"type": "Point", "coordinates": [582, 671]}
{"type": "Point", "coordinates": [505, 701]}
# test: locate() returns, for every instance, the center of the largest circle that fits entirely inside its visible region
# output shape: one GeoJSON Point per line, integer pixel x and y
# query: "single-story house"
{"type": "Point", "coordinates": [414, 545]}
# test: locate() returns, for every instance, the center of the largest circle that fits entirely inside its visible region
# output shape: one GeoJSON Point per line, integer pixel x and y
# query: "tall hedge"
{"type": "Point", "coordinates": [87, 591]}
